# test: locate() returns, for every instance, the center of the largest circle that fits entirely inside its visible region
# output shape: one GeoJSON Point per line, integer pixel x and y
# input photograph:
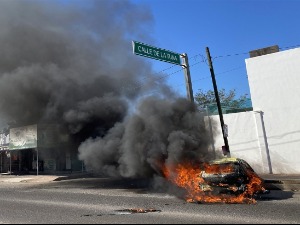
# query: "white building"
{"type": "Point", "coordinates": [269, 136]}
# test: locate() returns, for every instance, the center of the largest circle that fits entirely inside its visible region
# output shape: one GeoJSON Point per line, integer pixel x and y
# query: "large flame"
{"type": "Point", "coordinates": [187, 176]}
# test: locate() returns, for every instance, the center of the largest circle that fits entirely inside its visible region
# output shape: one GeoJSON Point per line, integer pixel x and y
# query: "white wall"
{"type": "Point", "coordinates": [245, 139]}
{"type": "Point", "coordinates": [274, 82]}
{"type": "Point", "coordinates": [269, 137]}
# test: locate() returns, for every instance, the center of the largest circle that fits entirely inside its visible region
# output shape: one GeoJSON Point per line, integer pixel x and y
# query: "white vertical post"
{"type": "Point", "coordinates": [263, 142]}
{"type": "Point", "coordinates": [261, 113]}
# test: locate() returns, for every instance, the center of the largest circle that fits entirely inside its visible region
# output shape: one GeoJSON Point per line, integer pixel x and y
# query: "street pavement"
{"type": "Point", "coordinates": [284, 182]}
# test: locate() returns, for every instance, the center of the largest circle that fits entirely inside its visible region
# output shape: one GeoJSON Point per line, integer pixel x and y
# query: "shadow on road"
{"type": "Point", "coordinates": [105, 183]}
{"type": "Point", "coordinates": [137, 185]}
{"type": "Point", "coordinates": [276, 195]}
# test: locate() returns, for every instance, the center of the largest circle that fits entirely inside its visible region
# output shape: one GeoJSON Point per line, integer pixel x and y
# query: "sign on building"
{"type": "Point", "coordinates": [4, 141]}
{"type": "Point", "coordinates": [23, 137]}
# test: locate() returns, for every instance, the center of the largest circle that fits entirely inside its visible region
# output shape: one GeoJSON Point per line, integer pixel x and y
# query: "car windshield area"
{"type": "Point", "coordinates": [220, 168]}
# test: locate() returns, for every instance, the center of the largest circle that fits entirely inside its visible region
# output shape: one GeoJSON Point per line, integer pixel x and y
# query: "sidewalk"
{"type": "Point", "coordinates": [41, 178]}
{"type": "Point", "coordinates": [280, 176]}
{"type": "Point", "coordinates": [27, 178]}
{"type": "Point", "coordinates": [285, 182]}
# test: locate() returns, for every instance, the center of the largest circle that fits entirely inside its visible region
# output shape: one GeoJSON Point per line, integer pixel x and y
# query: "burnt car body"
{"type": "Point", "coordinates": [231, 176]}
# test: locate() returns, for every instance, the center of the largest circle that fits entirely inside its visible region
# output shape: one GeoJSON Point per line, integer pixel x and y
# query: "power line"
{"type": "Point", "coordinates": [294, 46]}
{"type": "Point", "coordinates": [203, 60]}
{"type": "Point", "coordinates": [244, 53]}
{"type": "Point", "coordinates": [163, 76]}
{"type": "Point", "coordinates": [227, 71]}
{"type": "Point", "coordinates": [236, 54]}
{"type": "Point", "coordinates": [208, 77]}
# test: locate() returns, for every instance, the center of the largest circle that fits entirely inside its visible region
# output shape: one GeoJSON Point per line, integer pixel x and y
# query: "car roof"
{"type": "Point", "coordinates": [224, 160]}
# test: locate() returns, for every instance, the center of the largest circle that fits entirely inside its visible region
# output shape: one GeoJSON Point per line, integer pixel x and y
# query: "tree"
{"type": "Point", "coordinates": [227, 99]}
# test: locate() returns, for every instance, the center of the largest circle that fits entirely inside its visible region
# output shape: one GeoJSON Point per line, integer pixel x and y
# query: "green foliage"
{"type": "Point", "coordinates": [227, 99]}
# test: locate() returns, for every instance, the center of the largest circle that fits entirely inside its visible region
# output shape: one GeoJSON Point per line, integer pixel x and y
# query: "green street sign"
{"type": "Point", "coordinates": [155, 53]}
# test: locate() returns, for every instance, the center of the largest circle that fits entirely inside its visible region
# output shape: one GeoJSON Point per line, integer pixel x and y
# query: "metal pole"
{"type": "Point", "coordinates": [9, 162]}
{"type": "Point", "coordinates": [217, 99]}
{"type": "Point", "coordinates": [37, 161]}
{"type": "Point", "coordinates": [1, 160]}
{"type": "Point", "coordinates": [19, 156]}
{"type": "Point", "coordinates": [187, 75]}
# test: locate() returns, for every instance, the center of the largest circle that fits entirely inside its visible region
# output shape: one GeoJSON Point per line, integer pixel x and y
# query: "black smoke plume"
{"type": "Point", "coordinates": [71, 63]}
{"type": "Point", "coordinates": [161, 132]}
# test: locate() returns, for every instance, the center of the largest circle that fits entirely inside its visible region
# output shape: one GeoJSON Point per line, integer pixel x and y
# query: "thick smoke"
{"type": "Point", "coordinates": [72, 63]}
{"type": "Point", "coordinates": [161, 132]}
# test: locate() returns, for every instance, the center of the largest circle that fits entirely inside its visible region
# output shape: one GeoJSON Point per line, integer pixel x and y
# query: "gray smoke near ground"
{"type": "Point", "coordinates": [71, 63]}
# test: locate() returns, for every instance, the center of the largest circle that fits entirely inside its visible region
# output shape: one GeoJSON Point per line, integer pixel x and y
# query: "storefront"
{"type": "Point", "coordinates": [41, 149]}
{"type": "Point", "coordinates": [4, 153]}
{"type": "Point", "coordinates": [4, 161]}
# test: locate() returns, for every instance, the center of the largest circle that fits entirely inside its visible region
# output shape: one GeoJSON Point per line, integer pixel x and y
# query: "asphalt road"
{"type": "Point", "coordinates": [114, 201]}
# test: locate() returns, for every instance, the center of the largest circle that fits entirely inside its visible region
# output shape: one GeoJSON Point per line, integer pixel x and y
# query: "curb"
{"type": "Point", "coordinates": [284, 185]}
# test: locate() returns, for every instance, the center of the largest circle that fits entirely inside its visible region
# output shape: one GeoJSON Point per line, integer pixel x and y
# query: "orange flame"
{"type": "Point", "coordinates": [188, 177]}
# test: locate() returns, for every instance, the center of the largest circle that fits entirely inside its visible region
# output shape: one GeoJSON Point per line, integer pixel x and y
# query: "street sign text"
{"type": "Point", "coordinates": [155, 53]}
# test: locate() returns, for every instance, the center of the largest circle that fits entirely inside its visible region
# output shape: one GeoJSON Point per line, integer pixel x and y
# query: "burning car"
{"type": "Point", "coordinates": [227, 180]}
{"type": "Point", "coordinates": [231, 176]}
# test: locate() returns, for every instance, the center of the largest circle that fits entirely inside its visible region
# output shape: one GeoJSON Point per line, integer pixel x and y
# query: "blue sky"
{"type": "Point", "coordinates": [229, 28]}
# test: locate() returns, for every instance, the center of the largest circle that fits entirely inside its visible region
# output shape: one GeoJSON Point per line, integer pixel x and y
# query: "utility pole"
{"type": "Point", "coordinates": [227, 151]}
{"type": "Point", "coordinates": [187, 75]}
